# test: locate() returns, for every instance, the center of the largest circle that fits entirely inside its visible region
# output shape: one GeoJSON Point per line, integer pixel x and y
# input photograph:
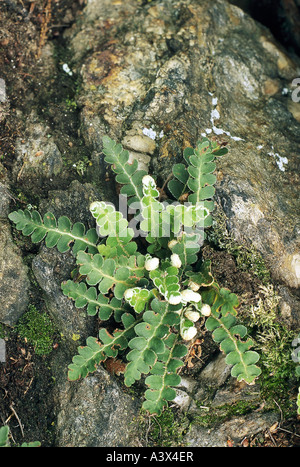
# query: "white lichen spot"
{"type": "Point", "coordinates": [149, 132]}
{"type": "Point", "coordinates": [237, 138]}
{"type": "Point", "coordinates": [215, 115]}
{"type": "Point", "coordinates": [280, 160]}
{"type": "Point", "coordinates": [67, 69]}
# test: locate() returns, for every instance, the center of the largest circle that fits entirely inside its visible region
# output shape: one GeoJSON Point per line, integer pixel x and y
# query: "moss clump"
{"type": "Point", "coordinates": [166, 430]}
{"type": "Point", "coordinates": [273, 340]}
{"type": "Point", "coordinates": [169, 428]}
{"type": "Point", "coordinates": [211, 417]}
{"type": "Point", "coordinates": [37, 329]}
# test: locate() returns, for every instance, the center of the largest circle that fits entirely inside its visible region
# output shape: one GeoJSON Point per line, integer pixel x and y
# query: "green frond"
{"type": "Point", "coordinates": [166, 280]}
{"type": "Point", "coordinates": [108, 274]}
{"type": "Point", "coordinates": [229, 334]}
{"type": "Point", "coordinates": [157, 294]}
{"type": "Point", "coordinates": [59, 233]}
{"type": "Point", "coordinates": [164, 376]}
{"type": "Point", "coordinates": [127, 174]}
{"type": "Point", "coordinates": [95, 302]}
{"type": "Point", "coordinates": [149, 345]}
{"type": "Point", "coordinates": [98, 350]}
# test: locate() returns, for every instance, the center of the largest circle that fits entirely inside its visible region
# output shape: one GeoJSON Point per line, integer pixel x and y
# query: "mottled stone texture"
{"type": "Point", "coordinates": [173, 71]}
{"type": "Point", "coordinates": [96, 413]}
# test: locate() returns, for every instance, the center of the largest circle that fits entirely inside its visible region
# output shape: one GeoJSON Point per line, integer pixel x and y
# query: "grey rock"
{"type": "Point", "coordinates": [51, 268]}
{"type": "Point", "coordinates": [37, 155]}
{"type": "Point", "coordinates": [237, 90]}
{"type": "Point", "coordinates": [95, 412]}
{"type": "Point", "coordinates": [234, 430]}
{"type": "Point", "coordinates": [74, 202]}
{"type": "Point", "coordinates": [14, 282]}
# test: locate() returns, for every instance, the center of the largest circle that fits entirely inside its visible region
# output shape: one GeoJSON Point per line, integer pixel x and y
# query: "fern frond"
{"type": "Point", "coordinates": [197, 177]}
{"type": "Point", "coordinates": [151, 209]}
{"type": "Point", "coordinates": [107, 273]}
{"type": "Point", "coordinates": [166, 280]}
{"type": "Point", "coordinates": [202, 277]}
{"type": "Point", "coordinates": [127, 174]}
{"type": "Point", "coordinates": [229, 334]}
{"type": "Point", "coordinates": [138, 298]}
{"type": "Point", "coordinates": [164, 376]}
{"type": "Point", "coordinates": [111, 223]}
{"type": "Point", "coordinates": [97, 351]}
{"type": "Point", "coordinates": [148, 345]}
{"type": "Point", "coordinates": [187, 247]}
{"type": "Point", "coordinates": [59, 233]}
{"type": "Point", "coordinates": [96, 302]}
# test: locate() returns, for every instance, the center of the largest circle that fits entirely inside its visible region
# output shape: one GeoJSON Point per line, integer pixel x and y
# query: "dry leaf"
{"type": "Point", "coordinates": [115, 366]}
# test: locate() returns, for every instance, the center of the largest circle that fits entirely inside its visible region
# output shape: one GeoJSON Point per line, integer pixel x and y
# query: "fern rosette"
{"type": "Point", "coordinates": [155, 293]}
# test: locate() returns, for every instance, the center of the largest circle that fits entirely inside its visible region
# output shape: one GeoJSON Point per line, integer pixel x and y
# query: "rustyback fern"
{"type": "Point", "coordinates": [154, 293]}
{"type": "Point", "coordinates": [59, 233]}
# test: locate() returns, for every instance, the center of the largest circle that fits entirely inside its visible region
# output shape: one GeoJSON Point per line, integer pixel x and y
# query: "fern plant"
{"type": "Point", "coordinates": [4, 439]}
{"type": "Point", "coordinates": [157, 293]}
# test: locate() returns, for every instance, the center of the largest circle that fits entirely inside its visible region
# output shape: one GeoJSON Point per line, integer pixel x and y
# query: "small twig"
{"type": "Point", "coordinates": [19, 421]}
{"type": "Point", "coordinates": [273, 440]}
{"type": "Point", "coordinates": [160, 430]}
{"type": "Point", "coordinates": [147, 431]}
{"type": "Point", "coordinates": [164, 185]}
{"type": "Point", "coordinates": [281, 414]}
{"type": "Point", "coordinates": [287, 431]}
{"type": "Point", "coordinates": [28, 387]}
{"type": "Point", "coordinates": [7, 192]}
{"type": "Point", "coordinates": [22, 168]}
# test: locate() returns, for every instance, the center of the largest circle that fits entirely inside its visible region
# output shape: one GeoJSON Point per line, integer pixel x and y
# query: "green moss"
{"type": "Point", "coordinates": [37, 329]}
{"type": "Point", "coordinates": [213, 416]}
{"type": "Point", "coordinates": [167, 430]}
{"type": "Point", "coordinates": [273, 340]}
{"type": "Point", "coordinates": [2, 332]}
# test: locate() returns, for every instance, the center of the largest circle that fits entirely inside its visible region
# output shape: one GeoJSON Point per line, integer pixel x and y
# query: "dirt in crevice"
{"type": "Point", "coordinates": [50, 95]}
{"type": "Point", "coordinates": [26, 403]}
{"type": "Point", "coordinates": [26, 380]}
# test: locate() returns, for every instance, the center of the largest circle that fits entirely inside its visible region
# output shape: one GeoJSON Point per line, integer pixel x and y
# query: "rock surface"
{"type": "Point", "coordinates": [234, 430]}
{"type": "Point", "coordinates": [96, 413]}
{"type": "Point", "coordinates": [51, 268]}
{"type": "Point", "coordinates": [14, 281]}
{"type": "Point", "coordinates": [195, 69]}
